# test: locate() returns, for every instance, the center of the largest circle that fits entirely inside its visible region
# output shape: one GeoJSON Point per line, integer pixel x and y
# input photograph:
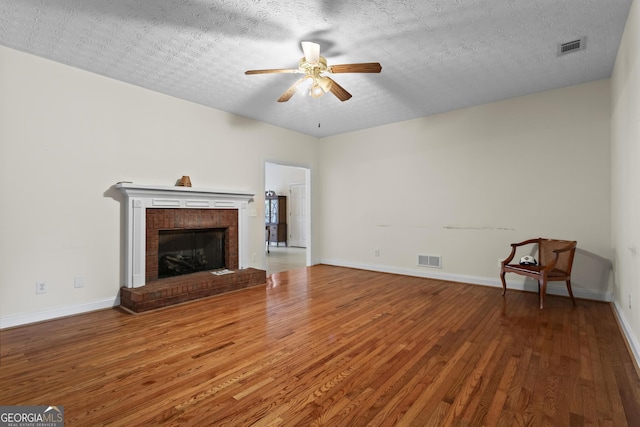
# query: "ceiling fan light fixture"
{"type": "Point", "coordinates": [316, 91]}
{"type": "Point", "coordinates": [313, 82]}
{"type": "Point", "coordinates": [307, 82]}
{"type": "Point", "coordinates": [324, 83]}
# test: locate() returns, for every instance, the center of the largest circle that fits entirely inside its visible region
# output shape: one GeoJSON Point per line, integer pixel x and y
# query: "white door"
{"type": "Point", "coordinates": [297, 215]}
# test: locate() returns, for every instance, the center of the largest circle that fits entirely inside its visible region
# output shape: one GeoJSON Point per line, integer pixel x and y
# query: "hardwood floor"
{"type": "Point", "coordinates": [332, 346]}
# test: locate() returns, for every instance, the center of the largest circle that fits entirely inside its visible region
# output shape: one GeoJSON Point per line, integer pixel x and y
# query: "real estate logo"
{"type": "Point", "coordinates": [31, 416]}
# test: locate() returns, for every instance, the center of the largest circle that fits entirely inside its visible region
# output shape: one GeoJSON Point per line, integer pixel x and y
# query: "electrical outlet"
{"type": "Point", "coordinates": [78, 282]}
{"type": "Point", "coordinates": [41, 287]}
{"type": "Point", "coordinates": [376, 252]}
{"type": "Point", "coordinates": [254, 257]}
{"type": "Point", "coordinates": [629, 301]}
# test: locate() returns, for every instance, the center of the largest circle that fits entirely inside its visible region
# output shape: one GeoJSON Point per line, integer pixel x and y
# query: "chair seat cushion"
{"type": "Point", "coordinates": [533, 269]}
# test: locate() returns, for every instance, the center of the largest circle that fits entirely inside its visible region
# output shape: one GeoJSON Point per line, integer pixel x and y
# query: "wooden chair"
{"type": "Point", "coordinates": [555, 259]}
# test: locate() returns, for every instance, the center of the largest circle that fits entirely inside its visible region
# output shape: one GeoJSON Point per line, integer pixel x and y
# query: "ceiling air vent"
{"type": "Point", "coordinates": [572, 46]}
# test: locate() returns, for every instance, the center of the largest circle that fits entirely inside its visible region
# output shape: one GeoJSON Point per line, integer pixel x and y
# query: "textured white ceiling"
{"type": "Point", "coordinates": [436, 55]}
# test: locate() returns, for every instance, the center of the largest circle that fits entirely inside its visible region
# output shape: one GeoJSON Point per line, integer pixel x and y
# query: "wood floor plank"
{"type": "Point", "coordinates": [332, 346]}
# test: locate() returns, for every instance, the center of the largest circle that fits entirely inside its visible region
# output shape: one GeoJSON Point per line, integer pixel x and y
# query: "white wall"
{"type": "Point", "coordinates": [465, 184]}
{"type": "Point", "coordinates": [625, 160]}
{"type": "Point", "coordinates": [66, 137]}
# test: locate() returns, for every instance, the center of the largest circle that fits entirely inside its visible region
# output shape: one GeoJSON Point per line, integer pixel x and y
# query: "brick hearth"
{"type": "Point", "coordinates": [179, 289]}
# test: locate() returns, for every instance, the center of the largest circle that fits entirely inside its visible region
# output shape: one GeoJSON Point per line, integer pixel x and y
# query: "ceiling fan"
{"type": "Point", "coordinates": [313, 66]}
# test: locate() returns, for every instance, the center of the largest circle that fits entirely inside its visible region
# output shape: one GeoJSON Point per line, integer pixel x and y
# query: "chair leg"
{"type": "Point", "coordinates": [570, 292]}
{"type": "Point", "coordinates": [542, 289]}
{"type": "Point", "coordinates": [504, 284]}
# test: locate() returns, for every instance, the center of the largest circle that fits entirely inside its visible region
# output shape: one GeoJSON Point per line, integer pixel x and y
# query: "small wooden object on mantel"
{"type": "Point", "coordinates": [185, 181]}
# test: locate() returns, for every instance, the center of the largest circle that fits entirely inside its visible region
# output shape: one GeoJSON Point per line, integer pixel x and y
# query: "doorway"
{"type": "Point", "coordinates": [292, 182]}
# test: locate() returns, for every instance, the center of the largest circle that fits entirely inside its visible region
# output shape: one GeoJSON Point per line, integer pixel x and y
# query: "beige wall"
{"type": "Point", "coordinates": [66, 137]}
{"type": "Point", "coordinates": [625, 160]}
{"type": "Point", "coordinates": [465, 184]}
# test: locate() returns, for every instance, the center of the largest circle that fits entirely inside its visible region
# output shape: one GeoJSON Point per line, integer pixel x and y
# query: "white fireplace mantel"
{"type": "Point", "coordinates": [140, 197]}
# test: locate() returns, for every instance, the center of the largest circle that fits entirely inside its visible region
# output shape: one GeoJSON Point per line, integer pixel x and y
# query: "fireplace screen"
{"type": "Point", "coordinates": [188, 251]}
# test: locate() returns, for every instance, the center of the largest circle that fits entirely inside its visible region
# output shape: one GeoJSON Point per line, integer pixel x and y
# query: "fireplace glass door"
{"type": "Point", "coordinates": [183, 251]}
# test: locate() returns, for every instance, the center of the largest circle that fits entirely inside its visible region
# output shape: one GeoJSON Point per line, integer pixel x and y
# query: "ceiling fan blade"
{"type": "Point", "coordinates": [338, 90]}
{"type": "Point", "coordinates": [366, 67]}
{"type": "Point", "coordinates": [273, 71]}
{"type": "Point", "coordinates": [311, 52]}
{"type": "Point", "coordinates": [290, 92]}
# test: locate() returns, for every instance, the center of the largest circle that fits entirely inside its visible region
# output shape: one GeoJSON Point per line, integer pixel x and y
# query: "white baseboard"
{"type": "Point", "coordinates": [54, 313]}
{"type": "Point", "coordinates": [552, 288]}
{"type": "Point", "coordinates": [634, 345]}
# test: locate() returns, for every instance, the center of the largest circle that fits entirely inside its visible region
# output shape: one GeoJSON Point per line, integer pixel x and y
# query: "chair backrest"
{"type": "Point", "coordinates": [565, 259]}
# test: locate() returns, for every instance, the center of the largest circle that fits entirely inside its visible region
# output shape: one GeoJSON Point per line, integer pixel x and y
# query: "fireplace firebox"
{"type": "Point", "coordinates": [188, 251]}
{"type": "Point", "coordinates": [164, 221]}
